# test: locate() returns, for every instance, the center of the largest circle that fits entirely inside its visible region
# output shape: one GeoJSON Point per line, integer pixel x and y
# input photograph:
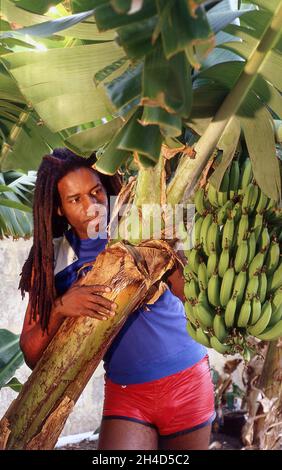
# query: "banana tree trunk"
{"type": "Point", "coordinates": [36, 418]}
{"type": "Point", "coordinates": [268, 428]}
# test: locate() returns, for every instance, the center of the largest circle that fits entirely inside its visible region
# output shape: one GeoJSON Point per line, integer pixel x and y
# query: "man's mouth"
{"type": "Point", "coordinates": [91, 218]}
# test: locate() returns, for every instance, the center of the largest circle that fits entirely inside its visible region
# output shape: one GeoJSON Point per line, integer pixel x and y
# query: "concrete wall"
{"type": "Point", "coordinates": [87, 413]}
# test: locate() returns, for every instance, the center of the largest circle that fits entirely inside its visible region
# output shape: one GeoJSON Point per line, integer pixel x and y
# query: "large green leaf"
{"type": "Point", "coordinates": [167, 82]}
{"type": "Point", "coordinates": [85, 142]}
{"type": "Point", "coordinates": [84, 5]}
{"type": "Point", "coordinates": [14, 384]}
{"type": "Point", "coordinates": [11, 357]}
{"type": "Point", "coordinates": [67, 97]}
{"type": "Point", "coordinates": [176, 16]}
{"type": "Point", "coordinates": [123, 89]}
{"type": "Point", "coordinates": [16, 205]}
{"type": "Point", "coordinates": [251, 87]}
{"type": "Point", "coordinates": [107, 17]}
{"type": "Point", "coordinates": [260, 142]}
{"type": "Point", "coordinates": [39, 6]}
{"type": "Point", "coordinates": [65, 26]}
{"type": "Point", "coordinates": [145, 140]}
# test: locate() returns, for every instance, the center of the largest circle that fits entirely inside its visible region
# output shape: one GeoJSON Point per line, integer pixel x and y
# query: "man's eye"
{"type": "Point", "coordinates": [75, 200]}
{"type": "Point", "coordinates": [94, 193]}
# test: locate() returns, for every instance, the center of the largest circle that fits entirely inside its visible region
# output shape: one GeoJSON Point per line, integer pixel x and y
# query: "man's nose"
{"type": "Point", "coordinates": [89, 201]}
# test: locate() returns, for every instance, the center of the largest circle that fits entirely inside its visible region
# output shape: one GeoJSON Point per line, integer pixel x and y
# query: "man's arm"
{"type": "Point", "coordinates": [176, 282]}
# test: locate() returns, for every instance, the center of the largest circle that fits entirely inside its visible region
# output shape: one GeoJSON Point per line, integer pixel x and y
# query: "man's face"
{"type": "Point", "coordinates": [80, 190]}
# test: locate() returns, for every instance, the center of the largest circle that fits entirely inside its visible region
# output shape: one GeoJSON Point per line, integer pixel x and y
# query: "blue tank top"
{"type": "Point", "coordinates": [153, 343]}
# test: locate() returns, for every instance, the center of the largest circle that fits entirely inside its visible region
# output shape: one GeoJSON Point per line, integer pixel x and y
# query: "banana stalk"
{"type": "Point", "coordinates": [36, 418]}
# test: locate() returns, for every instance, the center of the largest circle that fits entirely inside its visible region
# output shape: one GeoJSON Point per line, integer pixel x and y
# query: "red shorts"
{"type": "Point", "coordinates": [174, 405]}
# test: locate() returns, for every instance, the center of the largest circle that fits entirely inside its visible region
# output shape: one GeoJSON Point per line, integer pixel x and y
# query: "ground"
{"type": "Point", "coordinates": [219, 441]}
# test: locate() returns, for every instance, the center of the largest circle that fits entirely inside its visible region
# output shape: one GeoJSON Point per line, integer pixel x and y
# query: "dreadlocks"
{"type": "Point", "coordinates": [37, 276]}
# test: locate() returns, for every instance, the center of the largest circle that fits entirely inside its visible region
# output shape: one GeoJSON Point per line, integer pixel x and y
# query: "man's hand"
{"type": "Point", "coordinates": [85, 301]}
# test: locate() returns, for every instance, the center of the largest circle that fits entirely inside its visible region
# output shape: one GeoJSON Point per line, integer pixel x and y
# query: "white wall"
{"type": "Point", "coordinates": [87, 413]}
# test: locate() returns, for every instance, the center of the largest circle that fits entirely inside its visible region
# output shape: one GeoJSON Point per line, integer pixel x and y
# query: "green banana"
{"type": "Point", "coordinates": [218, 346]}
{"type": "Point", "coordinates": [262, 288]}
{"type": "Point", "coordinates": [271, 204]}
{"type": "Point", "coordinates": [256, 264]}
{"type": "Point", "coordinates": [226, 286]}
{"type": "Point", "coordinates": [272, 257]}
{"type": "Point", "coordinates": [236, 212]}
{"type": "Point", "coordinates": [199, 201]}
{"type": "Point", "coordinates": [271, 333]}
{"type": "Point", "coordinates": [223, 212]}
{"type": "Point", "coordinates": [190, 313]}
{"type": "Point", "coordinates": [213, 290]}
{"type": "Point", "coordinates": [228, 233]}
{"type": "Point", "coordinates": [255, 194]}
{"type": "Point", "coordinates": [262, 202]}
{"type": "Point", "coordinates": [213, 237]}
{"type": "Point", "coordinates": [223, 263]}
{"type": "Point", "coordinates": [212, 263]}
{"type": "Point", "coordinates": [244, 314]}
{"type": "Point", "coordinates": [276, 315]}
{"type": "Point", "coordinates": [219, 327]}
{"type": "Point", "coordinates": [256, 310]}
{"type": "Point", "coordinates": [234, 179]}
{"type": "Point", "coordinates": [192, 290]}
{"type": "Point", "coordinates": [230, 312]}
{"type": "Point", "coordinates": [239, 286]}
{"type": "Point", "coordinates": [193, 259]}
{"type": "Point", "coordinates": [251, 248]}
{"type": "Point", "coordinates": [197, 231]}
{"type": "Point", "coordinates": [257, 225]}
{"type": "Point", "coordinates": [247, 354]}
{"type": "Point", "coordinates": [241, 256]}
{"type": "Point", "coordinates": [202, 276]}
{"type": "Point", "coordinates": [252, 287]}
{"type": "Point", "coordinates": [275, 280]}
{"type": "Point", "coordinates": [189, 273]}
{"type": "Point", "coordinates": [263, 240]}
{"type": "Point", "coordinates": [203, 298]}
{"type": "Point", "coordinates": [277, 298]}
{"type": "Point", "coordinates": [222, 195]}
{"type": "Point", "coordinates": [202, 337]}
{"type": "Point", "coordinates": [204, 232]}
{"type": "Point", "coordinates": [263, 321]}
{"type": "Point", "coordinates": [246, 175]}
{"type": "Point", "coordinates": [212, 196]}
{"type": "Point", "coordinates": [204, 315]}
{"type": "Point", "coordinates": [191, 330]}
{"type": "Point", "coordinates": [243, 228]}
{"type": "Point", "coordinates": [248, 199]}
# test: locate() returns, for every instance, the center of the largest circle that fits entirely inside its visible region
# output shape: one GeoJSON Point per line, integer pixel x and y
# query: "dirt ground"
{"type": "Point", "coordinates": [219, 441]}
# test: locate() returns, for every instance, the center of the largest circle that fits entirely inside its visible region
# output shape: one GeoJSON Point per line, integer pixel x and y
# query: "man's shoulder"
{"type": "Point", "coordinates": [64, 254]}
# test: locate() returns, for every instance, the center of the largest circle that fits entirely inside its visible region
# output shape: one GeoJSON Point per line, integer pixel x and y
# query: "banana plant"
{"type": "Point", "coordinates": [16, 192]}
{"type": "Point", "coordinates": [151, 83]}
{"type": "Point", "coordinates": [11, 358]}
{"type": "Point", "coordinates": [241, 97]}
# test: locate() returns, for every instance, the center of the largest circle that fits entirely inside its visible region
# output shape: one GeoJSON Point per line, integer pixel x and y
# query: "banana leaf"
{"type": "Point", "coordinates": [11, 357]}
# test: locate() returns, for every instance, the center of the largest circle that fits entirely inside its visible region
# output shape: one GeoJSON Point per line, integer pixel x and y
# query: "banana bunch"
{"type": "Point", "coordinates": [233, 275]}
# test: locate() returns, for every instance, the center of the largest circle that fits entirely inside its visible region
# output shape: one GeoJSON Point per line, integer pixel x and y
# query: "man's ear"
{"type": "Point", "coordinates": [60, 211]}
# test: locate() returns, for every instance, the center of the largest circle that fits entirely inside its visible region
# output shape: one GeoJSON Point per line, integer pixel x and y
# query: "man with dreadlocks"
{"type": "Point", "coordinates": [158, 389]}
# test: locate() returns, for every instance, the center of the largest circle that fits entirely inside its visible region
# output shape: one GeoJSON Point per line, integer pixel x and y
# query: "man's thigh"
{"type": "Point", "coordinates": [195, 440]}
{"type": "Point", "coordinates": [122, 434]}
